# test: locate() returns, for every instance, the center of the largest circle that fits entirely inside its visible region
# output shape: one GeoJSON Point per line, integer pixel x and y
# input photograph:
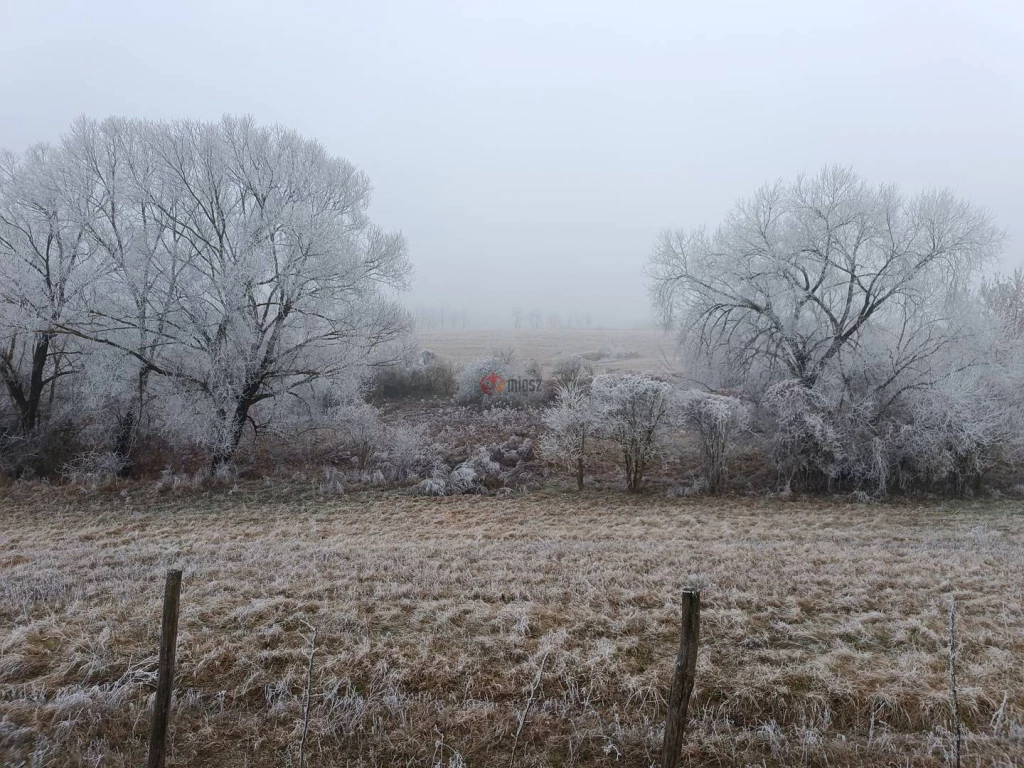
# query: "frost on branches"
{"type": "Point", "coordinates": [222, 265]}
{"type": "Point", "coordinates": [631, 410]}
{"type": "Point", "coordinates": [569, 423]}
{"type": "Point", "coordinates": [851, 315]}
{"type": "Point", "coordinates": [716, 420]}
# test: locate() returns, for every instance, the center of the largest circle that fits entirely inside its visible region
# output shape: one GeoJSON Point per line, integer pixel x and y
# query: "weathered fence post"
{"type": "Point", "coordinates": [682, 680]}
{"type": "Point", "coordinates": [954, 703]}
{"type": "Point", "coordinates": [165, 675]}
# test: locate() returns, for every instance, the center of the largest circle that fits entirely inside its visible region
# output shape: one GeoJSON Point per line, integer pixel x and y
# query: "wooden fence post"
{"type": "Point", "coordinates": [165, 675]}
{"type": "Point", "coordinates": [682, 680]}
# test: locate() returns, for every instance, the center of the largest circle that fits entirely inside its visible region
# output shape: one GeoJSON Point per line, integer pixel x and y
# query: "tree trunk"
{"type": "Point", "coordinates": [123, 443]}
{"type": "Point", "coordinates": [227, 452]}
{"type": "Point", "coordinates": [128, 426]}
{"type": "Point", "coordinates": [36, 383]}
{"type": "Point", "coordinates": [27, 401]}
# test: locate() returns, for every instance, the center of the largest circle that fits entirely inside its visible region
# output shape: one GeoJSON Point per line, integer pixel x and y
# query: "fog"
{"type": "Point", "coordinates": [530, 151]}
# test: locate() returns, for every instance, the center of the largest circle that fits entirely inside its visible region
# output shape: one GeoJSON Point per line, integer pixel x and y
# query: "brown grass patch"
{"type": "Point", "coordinates": [823, 628]}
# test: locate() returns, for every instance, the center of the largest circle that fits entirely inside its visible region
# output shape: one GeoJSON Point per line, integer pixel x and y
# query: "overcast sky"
{"type": "Point", "coordinates": [531, 151]}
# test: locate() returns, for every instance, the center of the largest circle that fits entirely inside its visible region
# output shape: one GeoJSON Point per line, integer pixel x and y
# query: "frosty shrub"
{"type": "Point", "coordinates": [505, 353]}
{"type": "Point", "coordinates": [332, 482]}
{"type": "Point", "coordinates": [435, 485]}
{"type": "Point", "coordinates": [716, 420]}
{"type": "Point", "coordinates": [359, 430]}
{"type": "Point", "coordinates": [631, 410]}
{"type": "Point", "coordinates": [489, 469]}
{"type": "Point", "coordinates": [477, 474]}
{"type": "Point", "coordinates": [569, 422]}
{"type": "Point", "coordinates": [611, 353]}
{"type": "Point", "coordinates": [568, 370]}
{"type": "Point", "coordinates": [421, 375]}
{"type": "Point", "coordinates": [497, 382]}
{"type": "Point", "coordinates": [406, 452]}
{"type": "Point", "coordinates": [803, 440]}
{"type": "Point", "coordinates": [442, 375]}
{"type": "Point", "coordinates": [957, 431]}
{"type": "Point", "coordinates": [93, 469]}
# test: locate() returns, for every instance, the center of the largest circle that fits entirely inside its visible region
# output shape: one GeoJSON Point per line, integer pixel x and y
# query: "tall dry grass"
{"type": "Point", "coordinates": [452, 631]}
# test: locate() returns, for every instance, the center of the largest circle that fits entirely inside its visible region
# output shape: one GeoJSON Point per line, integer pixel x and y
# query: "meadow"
{"type": "Point", "coordinates": [531, 630]}
{"type": "Point", "coordinates": [644, 349]}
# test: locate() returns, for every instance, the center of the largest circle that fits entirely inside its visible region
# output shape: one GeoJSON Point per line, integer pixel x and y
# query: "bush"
{"type": "Point", "coordinates": [442, 377]}
{"type": "Point", "coordinates": [945, 437]}
{"type": "Point", "coordinates": [42, 453]}
{"type": "Point", "coordinates": [569, 370]}
{"type": "Point", "coordinates": [956, 432]}
{"type": "Point", "coordinates": [631, 410]}
{"type": "Point", "coordinates": [804, 440]}
{"type": "Point", "coordinates": [425, 375]}
{"type": "Point", "coordinates": [488, 470]}
{"type": "Point", "coordinates": [92, 469]}
{"type": "Point", "coordinates": [611, 353]}
{"type": "Point", "coordinates": [495, 382]}
{"type": "Point", "coordinates": [359, 430]}
{"type": "Point", "coordinates": [406, 452]}
{"type": "Point", "coordinates": [716, 419]}
{"type": "Point", "coordinates": [570, 422]}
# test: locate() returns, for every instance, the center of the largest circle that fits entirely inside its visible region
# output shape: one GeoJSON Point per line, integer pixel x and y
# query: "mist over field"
{"type": "Point", "coordinates": [541, 384]}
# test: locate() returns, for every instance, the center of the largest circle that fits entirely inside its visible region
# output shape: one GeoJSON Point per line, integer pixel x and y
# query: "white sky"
{"type": "Point", "coordinates": [531, 151]}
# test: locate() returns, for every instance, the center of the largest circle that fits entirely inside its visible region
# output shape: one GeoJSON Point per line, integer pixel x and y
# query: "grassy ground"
{"type": "Point", "coordinates": [447, 626]}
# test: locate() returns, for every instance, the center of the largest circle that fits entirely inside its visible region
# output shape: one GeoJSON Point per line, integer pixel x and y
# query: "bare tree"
{"type": "Point", "coordinates": [45, 269]}
{"type": "Point", "coordinates": [243, 265]}
{"type": "Point", "coordinates": [799, 275]}
{"type": "Point", "coordinates": [145, 257]}
{"type": "Point", "coordinates": [843, 310]}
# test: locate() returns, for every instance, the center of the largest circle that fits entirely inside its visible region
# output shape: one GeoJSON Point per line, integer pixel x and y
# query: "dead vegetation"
{"type": "Point", "coordinates": [453, 631]}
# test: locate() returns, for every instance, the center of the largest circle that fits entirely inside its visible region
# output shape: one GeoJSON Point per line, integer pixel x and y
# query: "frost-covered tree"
{"type": "Point", "coordinates": [799, 276]}
{"type": "Point", "coordinates": [186, 276]}
{"type": "Point", "coordinates": [837, 306]}
{"type": "Point", "coordinates": [569, 422]}
{"type": "Point", "coordinates": [46, 268]}
{"type": "Point", "coordinates": [242, 265]}
{"type": "Point", "coordinates": [134, 308]}
{"type": "Point", "coordinates": [632, 411]}
{"type": "Point", "coordinates": [1003, 296]}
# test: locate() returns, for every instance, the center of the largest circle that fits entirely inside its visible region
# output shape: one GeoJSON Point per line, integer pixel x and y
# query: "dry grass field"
{"type": "Point", "coordinates": [447, 626]}
{"type": "Point", "coordinates": [638, 349]}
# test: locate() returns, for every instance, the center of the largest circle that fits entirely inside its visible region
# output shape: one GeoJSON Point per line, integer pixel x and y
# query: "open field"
{"type": "Point", "coordinates": [444, 624]}
{"type": "Point", "coordinates": [637, 349]}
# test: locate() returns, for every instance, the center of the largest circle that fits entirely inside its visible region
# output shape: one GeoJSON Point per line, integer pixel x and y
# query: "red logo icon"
{"type": "Point", "coordinates": [492, 384]}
